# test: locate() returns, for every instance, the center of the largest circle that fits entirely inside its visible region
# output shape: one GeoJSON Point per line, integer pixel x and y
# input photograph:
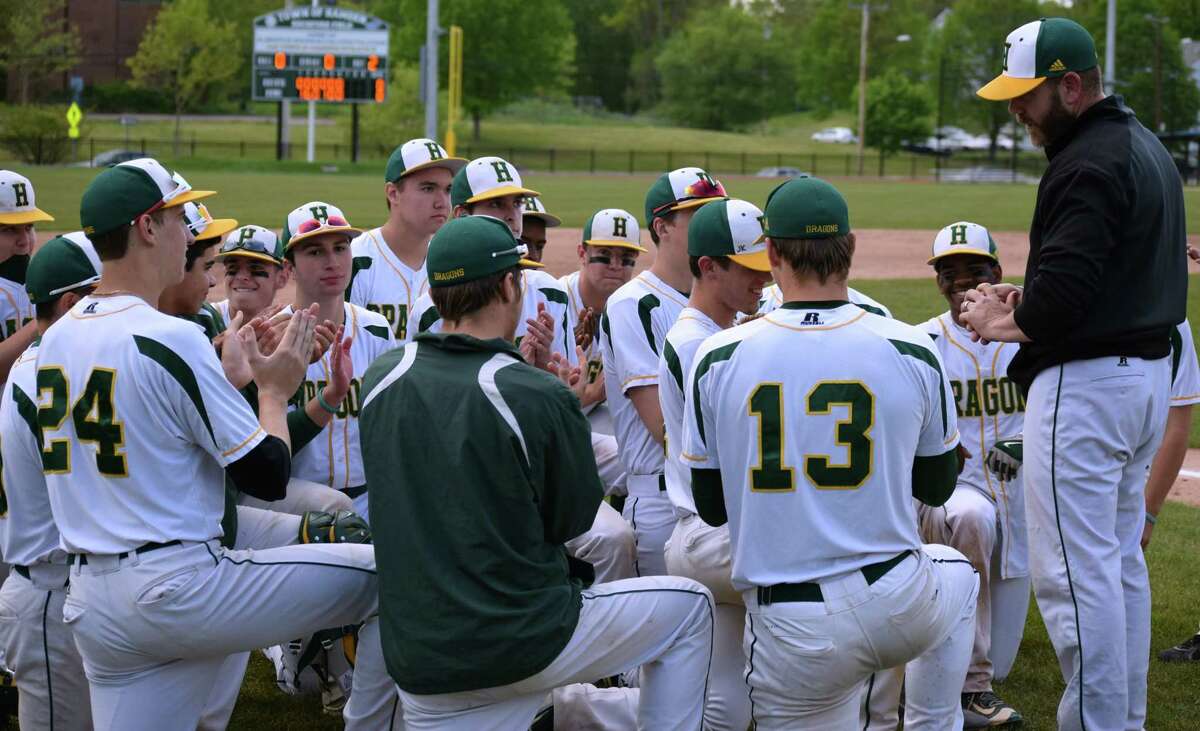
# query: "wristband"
{"type": "Point", "coordinates": [325, 404]}
{"type": "Point", "coordinates": [1151, 518]}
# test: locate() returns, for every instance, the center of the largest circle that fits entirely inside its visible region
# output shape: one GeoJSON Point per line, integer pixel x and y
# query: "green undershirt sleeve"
{"type": "Point", "coordinates": [933, 478]}
{"type": "Point", "coordinates": [709, 496]}
{"type": "Point", "coordinates": [301, 429]}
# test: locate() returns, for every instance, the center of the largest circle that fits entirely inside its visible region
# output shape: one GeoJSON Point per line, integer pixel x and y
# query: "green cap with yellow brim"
{"type": "Point", "coordinates": [60, 265]}
{"type": "Point", "coordinates": [806, 208]}
{"type": "Point", "coordinates": [680, 189]}
{"type": "Point", "coordinates": [252, 242]}
{"type": "Point", "coordinates": [205, 228]}
{"type": "Point", "coordinates": [1040, 50]}
{"type": "Point", "coordinates": [731, 228]}
{"type": "Point", "coordinates": [534, 208]}
{"type": "Point", "coordinates": [417, 155]}
{"type": "Point", "coordinates": [470, 248]}
{"type": "Point", "coordinates": [120, 194]}
{"type": "Point", "coordinates": [17, 203]}
{"type": "Point", "coordinates": [485, 178]}
{"type": "Point", "coordinates": [613, 227]}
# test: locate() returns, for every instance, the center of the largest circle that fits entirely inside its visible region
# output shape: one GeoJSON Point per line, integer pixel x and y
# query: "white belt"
{"type": "Point", "coordinates": [646, 486]}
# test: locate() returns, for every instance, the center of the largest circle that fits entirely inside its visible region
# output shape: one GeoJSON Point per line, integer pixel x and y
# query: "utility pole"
{"type": "Point", "coordinates": [285, 115]}
{"type": "Point", "coordinates": [311, 143]}
{"type": "Point", "coordinates": [1110, 47]}
{"type": "Point", "coordinates": [862, 81]}
{"type": "Point", "coordinates": [431, 68]}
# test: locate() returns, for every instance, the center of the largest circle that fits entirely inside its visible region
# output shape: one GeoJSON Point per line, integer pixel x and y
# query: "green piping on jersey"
{"type": "Point", "coordinates": [926, 356]}
{"type": "Point", "coordinates": [559, 296]}
{"type": "Point", "coordinates": [29, 413]}
{"type": "Point", "coordinates": [379, 331]}
{"type": "Point", "coordinates": [716, 355]}
{"type": "Point", "coordinates": [871, 308]}
{"type": "Point", "coordinates": [357, 264]}
{"type": "Point", "coordinates": [428, 317]}
{"type": "Point", "coordinates": [1176, 352]}
{"type": "Point", "coordinates": [645, 306]}
{"type": "Point", "coordinates": [673, 364]}
{"type": "Point", "coordinates": [179, 370]}
{"type": "Point", "coordinates": [604, 327]}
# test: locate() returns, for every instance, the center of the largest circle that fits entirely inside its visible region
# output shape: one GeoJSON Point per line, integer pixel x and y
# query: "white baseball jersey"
{"type": "Point", "coordinates": [814, 416]}
{"type": "Point", "coordinates": [27, 531]}
{"type": "Point", "coordinates": [990, 407]}
{"type": "Point", "coordinates": [16, 311]}
{"type": "Point", "coordinates": [138, 424]}
{"type": "Point", "coordinates": [679, 352]}
{"type": "Point", "coordinates": [773, 298]}
{"type": "Point", "coordinates": [539, 288]}
{"type": "Point", "coordinates": [636, 320]}
{"type": "Point", "coordinates": [384, 284]}
{"type": "Point", "coordinates": [334, 457]}
{"type": "Point", "coordinates": [575, 304]}
{"type": "Point", "coordinates": [1185, 372]}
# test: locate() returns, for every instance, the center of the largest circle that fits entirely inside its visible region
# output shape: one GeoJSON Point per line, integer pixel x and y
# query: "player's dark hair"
{"type": "Point", "coordinates": [667, 217]}
{"type": "Point", "coordinates": [115, 243]}
{"type": "Point", "coordinates": [694, 263]}
{"type": "Point", "coordinates": [456, 302]}
{"type": "Point", "coordinates": [196, 250]}
{"type": "Point", "coordinates": [44, 311]}
{"type": "Point", "coordinates": [824, 258]}
{"type": "Point", "coordinates": [399, 183]}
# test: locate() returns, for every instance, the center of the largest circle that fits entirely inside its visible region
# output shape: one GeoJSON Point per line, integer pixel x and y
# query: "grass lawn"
{"type": "Point", "coordinates": [1033, 687]}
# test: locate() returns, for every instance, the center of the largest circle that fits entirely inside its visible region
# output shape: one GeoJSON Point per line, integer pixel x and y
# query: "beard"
{"type": "Point", "coordinates": [1057, 122]}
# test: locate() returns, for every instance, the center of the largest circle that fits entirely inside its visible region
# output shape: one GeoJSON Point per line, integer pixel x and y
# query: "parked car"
{"type": "Point", "coordinates": [108, 158]}
{"type": "Point", "coordinates": [780, 172]}
{"type": "Point", "coordinates": [836, 135]}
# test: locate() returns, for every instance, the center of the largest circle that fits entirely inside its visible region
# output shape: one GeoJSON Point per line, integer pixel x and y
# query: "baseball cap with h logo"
{"type": "Point", "coordinates": [126, 191]}
{"type": "Point", "coordinates": [732, 228]}
{"type": "Point", "coordinates": [964, 237]}
{"type": "Point", "coordinates": [485, 178]}
{"type": "Point", "coordinates": [613, 227]}
{"type": "Point", "coordinates": [253, 242]}
{"type": "Point", "coordinates": [417, 155]}
{"type": "Point", "coordinates": [1043, 49]}
{"type": "Point", "coordinates": [17, 201]}
{"type": "Point", "coordinates": [313, 219]}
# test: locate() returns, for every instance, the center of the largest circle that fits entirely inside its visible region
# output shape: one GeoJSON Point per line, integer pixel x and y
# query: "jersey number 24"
{"type": "Point", "coordinates": [92, 415]}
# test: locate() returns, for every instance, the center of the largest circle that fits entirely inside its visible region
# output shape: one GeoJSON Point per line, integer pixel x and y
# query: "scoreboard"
{"type": "Point", "coordinates": [320, 54]}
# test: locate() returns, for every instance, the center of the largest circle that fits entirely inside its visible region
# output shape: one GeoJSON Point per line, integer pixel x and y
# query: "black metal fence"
{"type": "Point", "coordinates": [977, 167]}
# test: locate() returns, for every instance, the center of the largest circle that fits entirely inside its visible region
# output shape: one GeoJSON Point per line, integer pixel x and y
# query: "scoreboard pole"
{"type": "Point", "coordinates": [311, 147]}
{"type": "Point", "coordinates": [431, 69]}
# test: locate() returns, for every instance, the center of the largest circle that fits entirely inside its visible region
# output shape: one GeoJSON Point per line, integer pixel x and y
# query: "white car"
{"type": "Point", "coordinates": [836, 135]}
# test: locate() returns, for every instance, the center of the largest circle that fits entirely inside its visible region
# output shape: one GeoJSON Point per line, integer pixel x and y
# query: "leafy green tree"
{"type": "Point", "coordinates": [603, 53]}
{"type": "Point", "coordinates": [185, 52]}
{"type": "Point", "coordinates": [720, 72]}
{"type": "Point", "coordinates": [399, 118]}
{"type": "Point", "coordinates": [37, 42]}
{"type": "Point", "coordinates": [897, 110]}
{"type": "Point", "coordinates": [241, 14]}
{"type": "Point", "coordinates": [511, 48]}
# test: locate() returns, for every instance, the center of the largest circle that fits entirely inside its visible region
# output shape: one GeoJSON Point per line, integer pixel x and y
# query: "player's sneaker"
{"type": "Point", "coordinates": [1186, 651]}
{"type": "Point", "coordinates": [986, 710]}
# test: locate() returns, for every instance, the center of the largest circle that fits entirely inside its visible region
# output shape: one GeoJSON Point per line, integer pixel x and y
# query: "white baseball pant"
{"type": "Point", "coordinates": [374, 703]}
{"type": "Point", "coordinates": [1092, 428]}
{"type": "Point", "coordinates": [808, 662]}
{"type": "Point", "coordinates": [155, 627]}
{"type": "Point", "coordinates": [612, 635]}
{"type": "Point", "coordinates": [608, 463]}
{"type": "Point", "coordinates": [653, 518]}
{"type": "Point", "coordinates": [302, 496]}
{"type": "Point", "coordinates": [40, 650]}
{"type": "Point", "coordinates": [701, 552]}
{"type": "Point", "coordinates": [609, 546]}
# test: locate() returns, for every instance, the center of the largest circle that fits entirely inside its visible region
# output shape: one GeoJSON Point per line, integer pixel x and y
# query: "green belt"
{"type": "Point", "coordinates": [353, 492]}
{"type": "Point", "coordinates": [810, 591]}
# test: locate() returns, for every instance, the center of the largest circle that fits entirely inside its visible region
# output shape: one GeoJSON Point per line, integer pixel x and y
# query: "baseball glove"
{"type": "Point", "coordinates": [1005, 457]}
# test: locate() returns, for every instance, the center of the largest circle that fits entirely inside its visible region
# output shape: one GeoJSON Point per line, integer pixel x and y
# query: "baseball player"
{"type": "Point", "coordinates": [389, 261]}
{"type": "Point", "coordinates": [18, 216]}
{"type": "Point", "coordinates": [1108, 229]}
{"type": "Point", "coordinates": [773, 298]}
{"type": "Point", "coordinates": [632, 329]}
{"type": "Point", "coordinates": [318, 248]}
{"type": "Point", "coordinates": [37, 645]}
{"type": "Point", "coordinates": [139, 428]}
{"type": "Point", "coordinates": [535, 221]}
{"type": "Point", "coordinates": [984, 519]}
{"type": "Point", "coordinates": [188, 297]}
{"type": "Point", "coordinates": [491, 186]}
{"type": "Point", "coordinates": [809, 431]}
{"type": "Point", "coordinates": [728, 259]}
{"type": "Point", "coordinates": [518, 446]}
{"type": "Point", "coordinates": [254, 270]}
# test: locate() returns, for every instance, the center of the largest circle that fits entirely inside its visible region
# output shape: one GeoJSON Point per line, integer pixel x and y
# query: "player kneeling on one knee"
{"type": "Point", "coordinates": [480, 615]}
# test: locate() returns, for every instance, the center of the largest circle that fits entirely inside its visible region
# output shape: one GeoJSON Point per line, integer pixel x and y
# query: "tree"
{"type": "Point", "coordinates": [897, 110]}
{"type": "Point", "coordinates": [603, 54]}
{"type": "Point", "coordinates": [723, 70]}
{"type": "Point", "coordinates": [511, 48]}
{"type": "Point", "coordinates": [38, 42]}
{"type": "Point", "coordinates": [399, 118]}
{"type": "Point", "coordinates": [241, 14]}
{"type": "Point", "coordinates": [185, 52]}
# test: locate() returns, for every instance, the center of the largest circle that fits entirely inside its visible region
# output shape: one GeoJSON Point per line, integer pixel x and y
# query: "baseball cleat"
{"type": "Point", "coordinates": [986, 710]}
{"type": "Point", "coordinates": [1186, 651]}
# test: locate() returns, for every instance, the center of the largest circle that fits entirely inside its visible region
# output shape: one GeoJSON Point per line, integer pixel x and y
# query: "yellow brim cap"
{"type": "Point", "coordinates": [694, 203]}
{"type": "Point", "coordinates": [615, 244]}
{"type": "Point", "coordinates": [757, 261]}
{"type": "Point", "coordinates": [217, 228]}
{"type": "Point", "coordinates": [531, 264]}
{"type": "Point", "coordinates": [964, 251]}
{"type": "Point", "coordinates": [18, 218]}
{"type": "Point", "coordinates": [502, 191]}
{"type": "Point", "coordinates": [550, 219]}
{"type": "Point", "coordinates": [188, 197]}
{"type": "Point", "coordinates": [349, 231]}
{"type": "Point", "coordinates": [1004, 87]}
{"type": "Point", "coordinates": [243, 254]}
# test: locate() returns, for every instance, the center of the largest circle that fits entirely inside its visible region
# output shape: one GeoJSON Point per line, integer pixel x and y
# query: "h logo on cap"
{"type": "Point", "coordinates": [503, 175]}
{"type": "Point", "coordinates": [1007, 46]}
{"type": "Point", "coordinates": [435, 150]}
{"type": "Point", "coordinates": [706, 178]}
{"type": "Point", "coordinates": [620, 226]}
{"type": "Point", "coordinates": [247, 234]}
{"type": "Point", "coordinates": [21, 194]}
{"type": "Point", "coordinates": [958, 235]}
{"type": "Point", "coordinates": [321, 213]}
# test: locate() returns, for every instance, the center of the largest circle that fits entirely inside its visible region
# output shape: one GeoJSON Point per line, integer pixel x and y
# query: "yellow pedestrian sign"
{"type": "Point", "coordinates": [74, 117]}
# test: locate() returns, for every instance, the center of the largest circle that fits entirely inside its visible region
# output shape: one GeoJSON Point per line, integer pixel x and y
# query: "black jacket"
{"type": "Point", "coordinates": [1107, 269]}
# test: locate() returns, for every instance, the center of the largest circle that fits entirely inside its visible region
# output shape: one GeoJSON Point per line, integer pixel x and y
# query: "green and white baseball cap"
{"type": "Point", "coordinates": [123, 192]}
{"type": "Point", "coordinates": [731, 228]}
{"type": "Point", "coordinates": [17, 203]}
{"type": "Point", "coordinates": [484, 178]}
{"type": "Point", "coordinates": [1046, 48]}
{"type": "Point", "coordinates": [419, 154]}
{"type": "Point", "coordinates": [613, 227]}
{"type": "Point", "coordinates": [964, 237]}
{"type": "Point", "coordinates": [535, 209]}
{"type": "Point", "coordinates": [60, 265]}
{"type": "Point", "coordinates": [313, 219]}
{"type": "Point", "coordinates": [806, 208]}
{"type": "Point", "coordinates": [202, 225]}
{"type": "Point", "coordinates": [473, 247]}
{"type": "Point", "coordinates": [679, 189]}
{"type": "Point", "coordinates": [253, 242]}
